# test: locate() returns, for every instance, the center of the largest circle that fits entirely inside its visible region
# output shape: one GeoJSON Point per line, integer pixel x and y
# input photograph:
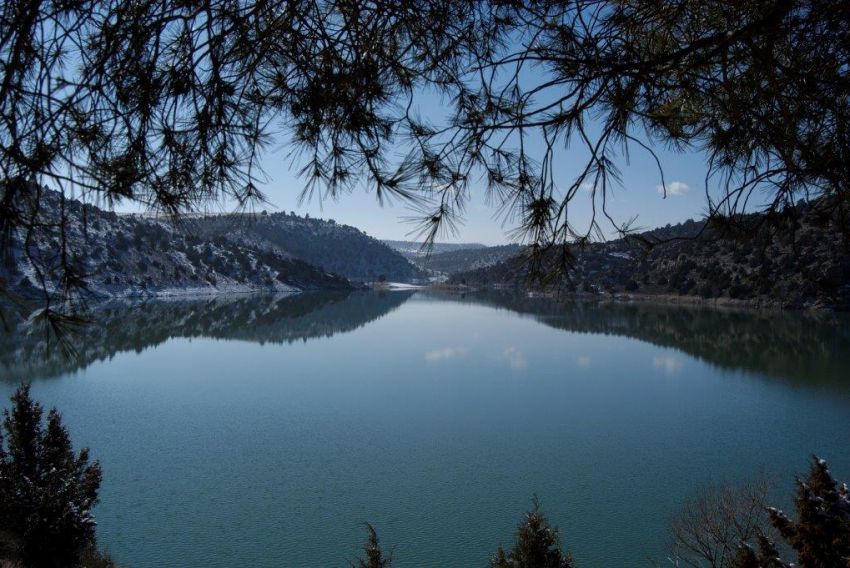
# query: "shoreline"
{"type": "Point", "coordinates": [665, 299]}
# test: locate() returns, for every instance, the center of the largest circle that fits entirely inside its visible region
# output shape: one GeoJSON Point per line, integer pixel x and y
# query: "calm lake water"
{"type": "Point", "coordinates": [258, 431]}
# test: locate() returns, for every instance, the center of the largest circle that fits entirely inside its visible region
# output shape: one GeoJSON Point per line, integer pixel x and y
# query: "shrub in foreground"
{"type": "Point", "coordinates": [537, 545]}
{"type": "Point", "coordinates": [820, 535]}
{"type": "Point", "coordinates": [375, 557]}
{"type": "Point", "coordinates": [46, 490]}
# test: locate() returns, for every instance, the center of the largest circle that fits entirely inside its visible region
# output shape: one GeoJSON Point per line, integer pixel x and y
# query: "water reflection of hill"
{"type": "Point", "coordinates": [800, 347]}
{"type": "Point", "coordinates": [810, 348]}
{"type": "Point", "coordinates": [135, 326]}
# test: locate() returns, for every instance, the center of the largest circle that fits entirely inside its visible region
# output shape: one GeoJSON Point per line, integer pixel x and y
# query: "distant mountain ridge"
{"type": "Point", "coordinates": [115, 255]}
{"type": "Point", "coordinates": [455, 261]}
{"type": "Point", "coordinates": [450, 258]}
{"type": "Point", "coordinates": [413, 250]}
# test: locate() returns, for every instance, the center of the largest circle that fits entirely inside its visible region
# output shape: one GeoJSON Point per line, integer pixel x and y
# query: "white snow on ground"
{"type": "Point", "coordinates": [403, 286]}
{"type": "Point", "coordinates": [222, 289]}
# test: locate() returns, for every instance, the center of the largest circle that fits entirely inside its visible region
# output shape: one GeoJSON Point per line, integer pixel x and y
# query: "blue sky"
{"type": "Point", "coordinates": [638, 196]}
{"type": "Point", "coordinates": [684, 173]}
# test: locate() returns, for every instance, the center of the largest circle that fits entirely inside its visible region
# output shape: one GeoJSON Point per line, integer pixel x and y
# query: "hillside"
{"type": "Point", "coordinates": [126, 255]}
{"type": "Point", "coordinates": [450, 258]}
{"type": "Point", "coordinates": [800, 261]}
{"type": "Point", "coordinates": [334, 248]}
{"type": "Point", "coordinates": [454, 261]}
{"type": "Point", "coordinates": [412, 250]}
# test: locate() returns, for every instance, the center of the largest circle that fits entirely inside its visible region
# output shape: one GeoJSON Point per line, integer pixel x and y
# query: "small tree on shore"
{"type": "Point", "coordinates": [375, 557]}
{"type": "Point", "coordinates": [821, 533]}
{"type": "Point", "coordinates": [537, 545]}
{"type": "Point", "coordinates": [46, 490]}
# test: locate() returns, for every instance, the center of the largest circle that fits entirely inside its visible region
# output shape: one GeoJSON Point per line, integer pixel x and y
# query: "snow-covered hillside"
{"type": "Point", "coordinates": [110, 255]}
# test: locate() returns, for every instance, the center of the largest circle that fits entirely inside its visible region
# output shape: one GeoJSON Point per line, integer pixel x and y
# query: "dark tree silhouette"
{"type": "Point", "coordinates": [537, 545]}
{"type": "Point", "coordinates": [821, 533]}
{"type": "Point", "coordinates": [46, 490]}
{"type": "Point", "coordinates": [171, 104]}
{"type": "Point", "coordinates": [711, 527]}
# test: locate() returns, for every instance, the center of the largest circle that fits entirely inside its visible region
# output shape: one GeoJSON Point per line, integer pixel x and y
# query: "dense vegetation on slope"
{"type": "Point", "coordinates": [796, 262]}
{"type": "Point", "coordinates": [123, 255]}
{"type": "Point", "coordinates": [335, 248]}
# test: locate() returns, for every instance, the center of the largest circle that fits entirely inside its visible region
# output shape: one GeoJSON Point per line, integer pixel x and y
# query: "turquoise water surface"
{"type": "Point", "coordinates": [262, 431]}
